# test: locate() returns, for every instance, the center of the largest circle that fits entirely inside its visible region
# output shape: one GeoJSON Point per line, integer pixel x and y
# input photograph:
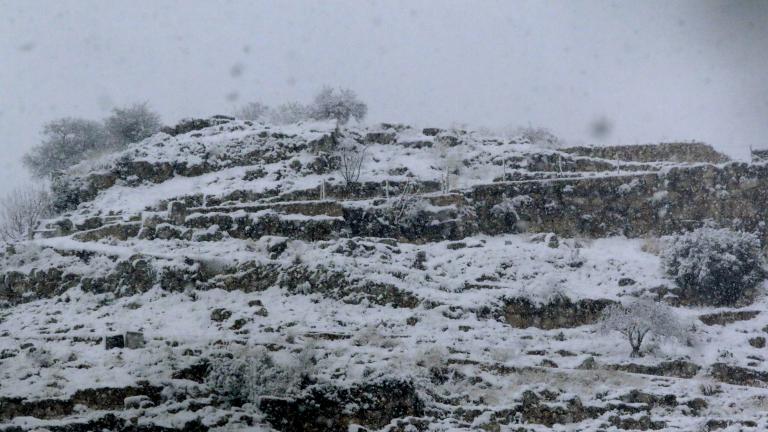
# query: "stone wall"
{"type": "Point", "coordinates": [733, 195]}
{"type": "Point", "coordinates": [673, 152]}
{"type": "Point", "coordinates": [661, 203]}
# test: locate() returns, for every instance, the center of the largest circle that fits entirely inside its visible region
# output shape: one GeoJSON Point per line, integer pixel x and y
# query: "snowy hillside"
{"type": "Point", "coordinates": [455, 283]}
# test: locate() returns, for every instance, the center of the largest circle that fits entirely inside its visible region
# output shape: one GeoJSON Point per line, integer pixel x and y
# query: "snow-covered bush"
{"type": "Point", "coordinates": [66, 142]}
{"type": "Point", "coordinates": [372, 335]}
{"type": "Point", "coordinates": [714, 266]}
{"type": "Point", "coordinates": [252, 372]}
{"type": "Point", "coordinates": [41, 358]}
{"type": "Point", "coordinates": [538, 136]}
{"type": "Point", "coordinates": [21, 211]}
{"type": "Point", "coordinates": [252, 111]}
{"type": "Point", "coordinates": [639, 318]}
{"type": "Point", "coordinates": [131, 124]}
{"type": "Point", "coordinates": [340, 105]}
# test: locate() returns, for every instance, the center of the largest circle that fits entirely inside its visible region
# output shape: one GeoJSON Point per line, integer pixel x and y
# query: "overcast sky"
{"type": "Point", "coordinates": [654, 70]}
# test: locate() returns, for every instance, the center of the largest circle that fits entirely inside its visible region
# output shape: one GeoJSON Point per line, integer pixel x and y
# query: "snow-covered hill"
{"type": "Point", "coordinates": [455, 286]}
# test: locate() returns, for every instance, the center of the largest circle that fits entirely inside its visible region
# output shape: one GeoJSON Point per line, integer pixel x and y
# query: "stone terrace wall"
{"type": "Point", "coordinates": [733, 195]}
{"type": "Point", "coordinates": [674, 152]}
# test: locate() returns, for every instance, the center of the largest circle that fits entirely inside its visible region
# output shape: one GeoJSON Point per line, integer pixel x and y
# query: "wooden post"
{"type": "Point", "coordinates": [504, 169]}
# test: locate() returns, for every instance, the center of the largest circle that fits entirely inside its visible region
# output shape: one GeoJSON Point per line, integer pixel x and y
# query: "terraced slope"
{"type": "Point", "coordinates": [403, 302]}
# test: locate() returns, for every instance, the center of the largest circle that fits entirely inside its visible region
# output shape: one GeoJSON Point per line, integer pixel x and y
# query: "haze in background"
{"type": "Point", "coordinates": [594, 72]}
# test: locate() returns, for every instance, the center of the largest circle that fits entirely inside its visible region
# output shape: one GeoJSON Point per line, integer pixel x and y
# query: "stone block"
{"type": "Point", "coordinates": [134, 340]}
{"type": "Point", "coordinates": [116, 341]}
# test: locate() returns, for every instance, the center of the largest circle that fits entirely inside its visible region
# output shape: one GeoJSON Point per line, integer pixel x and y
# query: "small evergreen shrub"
{"type": "Point", "coordinates": [714, 266]}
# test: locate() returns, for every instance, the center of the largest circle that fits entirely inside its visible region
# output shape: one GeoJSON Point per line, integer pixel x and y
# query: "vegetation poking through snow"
{"type": "Point", "coordinates": [289, 112]}
{"type": "Point", "coordinates": [245, 374]}
{"type": "Point", "coordinates": [252, 111]}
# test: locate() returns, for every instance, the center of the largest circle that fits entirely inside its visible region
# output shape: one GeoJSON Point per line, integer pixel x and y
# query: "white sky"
{"type": "Point", "coordinates": [656, 70]}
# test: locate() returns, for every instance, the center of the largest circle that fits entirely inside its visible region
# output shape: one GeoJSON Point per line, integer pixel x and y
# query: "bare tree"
{"type": "Point", "coordinates": [351, 156]}
{"type": "Point", "coordinates": [252, 111]}
{"type": "Point", "coordinates": [21, 211]}
{"type": "Point", "coordinates": [639, 318]}
{"type": "Point", "coordinates": [290, 112]}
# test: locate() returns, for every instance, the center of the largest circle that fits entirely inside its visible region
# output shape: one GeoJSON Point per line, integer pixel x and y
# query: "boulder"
{"type": "Point", "coordinates": [220, 314]}
{"type": "Point", "coordinates": [137, 402]}
{"type": "Point", "coordinates": [381, 137]}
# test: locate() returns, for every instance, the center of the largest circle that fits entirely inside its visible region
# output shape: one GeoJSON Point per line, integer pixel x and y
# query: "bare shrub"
{"type": "Point", "coordinates": [248, 373]}
{"type": "Point", "coordinates": [21, 211]}
{"type": "Point", "coordinates": [710, 389]}
{"type": "Point", "coordinates": [41, 358]}
{"type": "Point", "coordinates": [252, 111]}
{"type": "Point", "coordinates": [373, 335]}
{"type": "Point", "coordinates": [291, 112]}
{"type": "Point", "coordinates": [407, 207]}
{"type": "Point", "coordinates": [351, 156]}
{"type": "Point", "coordinates": [652, 245]}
